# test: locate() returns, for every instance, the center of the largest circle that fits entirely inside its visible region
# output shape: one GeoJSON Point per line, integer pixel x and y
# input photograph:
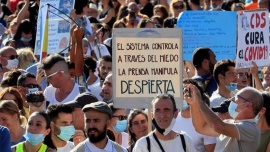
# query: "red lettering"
{"type": "Point", "coordinates": [263, 19]}
{"type": "Point", "coordinates": [256, 53]}
{"type": "Point", "coordinates": [251, 19]}
{"type": "Point", "coordinates": [257, 20]}
{"type": "Point", "coordinates": [245, 56]}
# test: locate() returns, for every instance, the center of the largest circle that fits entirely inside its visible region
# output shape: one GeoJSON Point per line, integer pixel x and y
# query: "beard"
{"type": "Point", "coordinates": [97, 138]}
{"type": "Point", "coordinates": [211, 68]}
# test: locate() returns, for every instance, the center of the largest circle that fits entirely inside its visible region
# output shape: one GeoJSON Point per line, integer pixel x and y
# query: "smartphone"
{"type": "Point", "coordinates": [132, 15]}
{"type": "Point", "coordinates": [82, 89]}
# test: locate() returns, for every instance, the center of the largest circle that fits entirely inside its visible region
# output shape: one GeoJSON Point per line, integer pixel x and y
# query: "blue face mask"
{"type": "Point", "coordinates": [120, 126]}
{"type": "Point", "coordinates": [25, 40]}
{"type": "Point", "coordinates": [66, 132]}
{"type": "Point", "coordinates": [232, 109]}
{"type": "Point", "coordinates": [232, 86]}
{"type": "Point", "coordinates": [34, 139]}
{"type": "Point", "coordinates": [185, 104]}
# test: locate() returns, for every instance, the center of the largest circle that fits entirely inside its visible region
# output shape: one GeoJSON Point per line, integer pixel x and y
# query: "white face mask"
{"type": "Point", "coordinates": [12, 64]}
{"type": "Point", "coordinates": [1, 14]}
{"type": "Point", "coordinates": [168, 130]}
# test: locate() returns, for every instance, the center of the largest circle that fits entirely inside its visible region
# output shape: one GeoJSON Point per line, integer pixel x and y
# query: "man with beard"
{"type": "Point", "coordinates": [204, 60]}
{"type": "Point", "coordinates": [97, 117]}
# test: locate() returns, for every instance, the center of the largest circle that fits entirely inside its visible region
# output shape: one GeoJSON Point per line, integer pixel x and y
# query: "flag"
{"type": "Point", "coordinates": [44, 43]}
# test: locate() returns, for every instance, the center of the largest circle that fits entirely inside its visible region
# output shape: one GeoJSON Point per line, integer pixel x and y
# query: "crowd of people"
{"type": "Point", "coordinates": [62, 104]}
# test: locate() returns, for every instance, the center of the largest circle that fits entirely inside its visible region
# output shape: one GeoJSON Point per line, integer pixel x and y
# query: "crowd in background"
{"type": "Point", "coordinates": [46, 106]}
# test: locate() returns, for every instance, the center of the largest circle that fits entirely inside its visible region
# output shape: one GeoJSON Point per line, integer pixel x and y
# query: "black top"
{"type": "Point", "coordinates": [147, 10]}
{"type": "Point", "coordinates": [111, 22]}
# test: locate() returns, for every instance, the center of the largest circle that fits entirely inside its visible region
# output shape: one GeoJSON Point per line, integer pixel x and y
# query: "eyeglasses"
{"type": "Point", "coordinates": [31, 85]}
{"type": "Point", "coordinates": [232, 74]}
{"type": "Point", "coordinates": [242, 98]}
{"type": "Point", "coordinates": [243, 74]}
{"type": "Point", "coordinates": [178, 6]}
{"type": "Point", "coordinates": [121, 117]}
{"type": "Point", "coordinates": [12, 57]}
{"type": "Point", "coordinates": [49, 76]}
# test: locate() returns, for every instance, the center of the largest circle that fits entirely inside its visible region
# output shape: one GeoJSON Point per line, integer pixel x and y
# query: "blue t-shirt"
{"type": "Point", "coordinates": [5, 145]}
{"type": "Point", "coordinates": [208, 81]}
{"type": "Point", "coordinates": [15, 143]}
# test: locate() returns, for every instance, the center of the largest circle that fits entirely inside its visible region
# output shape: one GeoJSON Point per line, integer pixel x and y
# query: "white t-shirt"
{"type": "Point", "coordinates": [124, 139]}
{"type": "Point", "coordinates": [95, 89]}
{"type": "Point", "coordinates": [99, 49]}
{"type": "Point", "coordinates": [89, 147]}
{"type": "Point", "coordinates": [216, 99]}
{"type": "Point", "coordinates": [49, 94]}
{"type": "Point", "coordinates": [199, 140]}
{"type": "Point", "coordinates": [68, 147]}
{"type": "Point", "coordinates": [168, 145]}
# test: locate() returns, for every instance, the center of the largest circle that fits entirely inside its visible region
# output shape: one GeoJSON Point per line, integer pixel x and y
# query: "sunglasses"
{"type": "Point", "coordinates": [49, 76]}
{"type": "Point", "coordinates": [121, 117]}
{"type": "Point", "coordinates": [31, 85]}
{"type": "Point", "coordinates": [242, 98]}
{"type": "Point", "coordinates": [12, 57]}
{"type": "Point", "coordinates": [178, 6]}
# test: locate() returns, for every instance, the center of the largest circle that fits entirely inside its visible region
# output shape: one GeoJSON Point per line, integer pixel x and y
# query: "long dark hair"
{"type": "Point", "coordinates": [48, 139]}
{"type": "Point", "coordinates": [26, 27]}
{"type": "Point", "coordinates": [266, 104]}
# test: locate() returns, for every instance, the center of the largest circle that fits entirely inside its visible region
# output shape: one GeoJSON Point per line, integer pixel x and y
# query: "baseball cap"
{"type": "Point", "coordinates": [223, 107]}
{"type": "Point", "coordinates": [100, 106]}
{"type": "Point", "coordinates": [81, 100]}
{"type": "Point", "coordinates": [93, 6]}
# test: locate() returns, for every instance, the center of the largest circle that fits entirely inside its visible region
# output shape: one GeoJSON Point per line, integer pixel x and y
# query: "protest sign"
{"type": "Point", "coordinates": [213, 29]}
{"type": "Point", "coordinates": [253, 38]}
{"type": "Point", "coordinates": [58, 25]}
{"type": "Point", "coordinates": [146, 62]}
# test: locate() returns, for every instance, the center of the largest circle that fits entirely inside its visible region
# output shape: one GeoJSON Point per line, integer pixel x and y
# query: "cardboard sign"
{"type": "Point", "coordinates": [213, 29]}
{"type": "Point", "coordinates": [146, 62]}
{"type": "Point", "coordinates": [253, 38]}
{"type": "Point", "coordinates": [58, 25]}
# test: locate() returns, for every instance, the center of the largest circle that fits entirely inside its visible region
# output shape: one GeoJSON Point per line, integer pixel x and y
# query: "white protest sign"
{"type": "Point", "coordinates": [58, 28]}
{"type": "Point", "coordinates": [253, 39]}
{"type": "Point", "coordinates": [146, 62]}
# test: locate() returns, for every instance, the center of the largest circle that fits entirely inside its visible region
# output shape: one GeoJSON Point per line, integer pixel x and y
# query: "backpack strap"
{"type": "Point", "coordinates": [117, 147]}
{"type": "Point", "coordinates": [148, 143]}
{"type": "Point", "coordinates": [183, 141]}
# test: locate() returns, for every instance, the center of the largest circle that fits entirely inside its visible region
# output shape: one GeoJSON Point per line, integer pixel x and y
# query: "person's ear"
{"type": "Point", "coordinates": [109, 122]}
{"type": "Point", "coordinates": [47, 131]}
{"type": "Point", "coordinates": [175, 114]}
{"type": "Point", "coordinates": [262, 112]}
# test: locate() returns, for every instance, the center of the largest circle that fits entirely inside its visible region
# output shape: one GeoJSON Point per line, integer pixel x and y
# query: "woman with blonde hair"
{"type": "Point", "coordinates": [10, 31]}
{"type": "Point", "coordinates": [10, 118]}
{"type": "Point", "coordinates": [11, 93]}
{"type": "Point", "coordinates": [176, 7]}
{"type": "Point", "coordinates": [26, 58]}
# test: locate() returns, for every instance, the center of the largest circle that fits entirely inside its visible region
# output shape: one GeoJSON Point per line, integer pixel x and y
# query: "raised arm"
{"type": "Point", "coordinates": [79, 60]}
{"type": "Point", "coordinates": [214, 125]}
{"type": "Point", "coordinates": [199, 122]}
{"type": "Point", "coordinates": [24, 13]}
{"type": "Point", "coordinates": [254, 72]}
